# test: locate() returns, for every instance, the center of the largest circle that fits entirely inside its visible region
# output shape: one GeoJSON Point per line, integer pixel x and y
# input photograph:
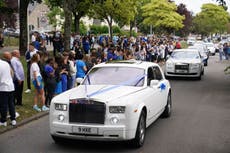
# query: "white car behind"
{"type": "Point", "coordinates": [184, 63]}
{"type": "Point", "coordinates": [211, 48]}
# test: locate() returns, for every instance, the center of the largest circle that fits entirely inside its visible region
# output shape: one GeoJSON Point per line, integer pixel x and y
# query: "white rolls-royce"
{"type": "Point", "coordinates": [185, 63]}
{"type": "Point", "coordinates": [115, 101]}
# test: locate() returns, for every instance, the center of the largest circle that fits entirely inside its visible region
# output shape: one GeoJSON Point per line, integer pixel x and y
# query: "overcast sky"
{"type": "Point", "coordinates": [195, 5]}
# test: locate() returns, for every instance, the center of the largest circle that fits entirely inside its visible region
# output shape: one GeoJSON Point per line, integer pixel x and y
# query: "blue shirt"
{"type": "Point", "coordinates": [80, 69]}
{"type": "Point", "coordinates": [48, 70]}
{"type": "Point", "coordinates": [18, 68]}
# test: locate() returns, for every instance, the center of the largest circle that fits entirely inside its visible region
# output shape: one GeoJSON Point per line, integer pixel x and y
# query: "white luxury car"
{"type": "Point", "coordinates": [185, 63]}
{"type": "Point", "coordinates": [211, 48]}
{"type": "Point", "coordinates": [115, 101]}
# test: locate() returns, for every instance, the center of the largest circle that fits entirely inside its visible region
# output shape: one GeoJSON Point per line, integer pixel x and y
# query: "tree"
{"type": "Point", "coordinates": [54, 11]}
{"type": "Point", "coordinates": [114, 10]}
{"type": "Point", "coordinates": [162, 15]}
{"type": "Point", "coordinates": [23, 40]}
{"type": "Point", "coordinates": [223, 4]}
{"type": "Point", "coordinates": [212, 19]}
{"type": "Point", "coordinates": [8, 8]}
{"type": "Point", "coordinates": [187, 22]}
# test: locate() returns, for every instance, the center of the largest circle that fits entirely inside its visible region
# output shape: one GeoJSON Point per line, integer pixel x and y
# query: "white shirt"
{"type": "Point", "coordinates": [34, 68]}
{"type": "Point", "coordinates": [73, 68]}
{"type": "Point", "coordinates": [6, 81]}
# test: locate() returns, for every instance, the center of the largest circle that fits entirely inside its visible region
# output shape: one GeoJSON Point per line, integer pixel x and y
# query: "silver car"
{"type": "Point", "coordinates": [185, 63]}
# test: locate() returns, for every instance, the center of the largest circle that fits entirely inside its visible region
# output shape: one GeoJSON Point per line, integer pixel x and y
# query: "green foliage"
{"type": "Point", "coordinates": [116, 29]}
{"type": "Point", "coordinates": [212, 19]}
{"type": "Point", "coordinates": [162, 14]}
{"type": "Point", "coordinates": [95, 29]}
{"type": "Point", "coordinates": [83, 28]}
{"type": "Point", "coordinates": [126, 33]}
{"type": "Point", "coordinates": [52, 15]}
{"type": "Point", "coordinates": [119, 11]}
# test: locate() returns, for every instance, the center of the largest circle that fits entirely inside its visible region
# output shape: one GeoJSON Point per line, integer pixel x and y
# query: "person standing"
{"type": "Point", "coordinates": [19, 75]}
{"type": "Point", "coordinates": [36, 78]}
{"type": "Point", "coordinates": [81, 69]}
{"type": "Point", "coordinates": [6, 93]}
{"type": "Point", "coordinates": [28, 56]}
{"type": "Point", "coordinates": [73, 69]}
{"type": "Point", "coordinates": [50, 81]}
{"type": "Point", "coordinates": [221, 51]}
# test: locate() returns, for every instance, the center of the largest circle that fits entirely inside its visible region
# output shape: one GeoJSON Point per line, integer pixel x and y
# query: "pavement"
{"type": "Point", "coordinates": [23, 122]}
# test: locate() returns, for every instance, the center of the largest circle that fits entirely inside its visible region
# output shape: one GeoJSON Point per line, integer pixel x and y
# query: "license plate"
{"type": "Point", "coordinates": [181, 71]}
{"type": "Point", "coordinates": [85, 130]}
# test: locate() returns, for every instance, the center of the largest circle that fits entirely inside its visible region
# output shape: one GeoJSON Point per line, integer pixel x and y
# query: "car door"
{"type": "Point", "coordinates": [152, 95]}
{"type": "Point", "coordinates": [161, 89]}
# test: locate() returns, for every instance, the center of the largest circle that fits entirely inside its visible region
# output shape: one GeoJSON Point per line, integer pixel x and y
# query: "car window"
{"type": "Point", "coordinates": [185, 55]}
{"type": "Point", "coordinates": [157, 73]}
{"type": "Point", "coordinates": [150, 76]}
{"type": "Point", "coordinates": [129, 76]}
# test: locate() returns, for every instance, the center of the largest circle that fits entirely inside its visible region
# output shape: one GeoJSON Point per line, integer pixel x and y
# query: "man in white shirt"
{"type": "Point", "coordinates": [6, 93]}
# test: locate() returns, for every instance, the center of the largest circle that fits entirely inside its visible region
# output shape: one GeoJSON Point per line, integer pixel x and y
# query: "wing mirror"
{"type": "Point", "coordinates": [154, 83]}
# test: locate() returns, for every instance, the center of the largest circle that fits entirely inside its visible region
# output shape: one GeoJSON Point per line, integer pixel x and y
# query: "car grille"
{"type": "Point", "coordinates": [87, 111]}
{"type": "Point", "coordinates": [182, 67]}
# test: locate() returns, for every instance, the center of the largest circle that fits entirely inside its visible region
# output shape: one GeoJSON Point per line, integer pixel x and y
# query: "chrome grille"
{"type": "Point", "coordinates": [86, 111]}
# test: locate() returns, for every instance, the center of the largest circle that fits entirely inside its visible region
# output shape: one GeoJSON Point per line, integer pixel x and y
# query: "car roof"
{"type": "Point", "coordinates": [127, 63]}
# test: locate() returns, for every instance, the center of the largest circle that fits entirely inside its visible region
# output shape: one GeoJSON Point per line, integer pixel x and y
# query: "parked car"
{"type": "Point", "coordinates": [191, 40]}
{"type": "Point", "coordinates": [184, 63]}
{"type": "Point", "coordinates": [116, 101]}
{"type": "Point", "coordinates": [211, 48]}
{"type": "Point", "coordinates": [11, 32]}
{"type": "Point", "coordinates": [203, 53]}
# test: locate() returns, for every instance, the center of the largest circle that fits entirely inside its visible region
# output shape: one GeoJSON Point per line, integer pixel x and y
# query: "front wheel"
{"type": "Point", "coordinates": [168, 107]}
{"type": "Point", "coordinates": [58, 140]}
{"type": "Point", "coordinates": [139, 139]}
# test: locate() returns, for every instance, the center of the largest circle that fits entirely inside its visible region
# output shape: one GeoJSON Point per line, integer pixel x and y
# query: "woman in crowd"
{"type": "Point", "coordinates": [81, 68]}
{"type": "Point", "coordinates": [50, 80]}
{"type": "Point", "coordinates": [36, 78]}
{"type": "Point", "coordinates": [73, 69]}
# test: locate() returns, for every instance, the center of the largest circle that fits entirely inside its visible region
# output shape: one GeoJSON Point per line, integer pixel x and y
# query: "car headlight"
{"type": "Point", "coordinates": [169, 64]}
{"type": "Point", "coordinates": [195, 65]}
{"type": "Point", "coordinates": [61, 107]}
{"type": "Point", "coordinates": [117, 109]}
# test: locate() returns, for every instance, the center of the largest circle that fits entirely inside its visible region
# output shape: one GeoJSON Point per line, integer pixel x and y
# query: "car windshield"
{"type": "Point", "coordinates": [128, 76]}
{"type": "Point", "coordinates": [185, 55]}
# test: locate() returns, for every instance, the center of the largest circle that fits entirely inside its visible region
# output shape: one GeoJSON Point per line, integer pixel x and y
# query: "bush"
{"type": "Point", "coordinates": [95, 29]}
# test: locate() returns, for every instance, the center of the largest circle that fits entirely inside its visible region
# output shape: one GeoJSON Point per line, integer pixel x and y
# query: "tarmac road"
{"type": "Point", "coordinates": [200, 123]}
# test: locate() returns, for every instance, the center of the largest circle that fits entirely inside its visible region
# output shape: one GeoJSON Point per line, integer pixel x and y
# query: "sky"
{"type": "Point", "coordinates": [195, 5]}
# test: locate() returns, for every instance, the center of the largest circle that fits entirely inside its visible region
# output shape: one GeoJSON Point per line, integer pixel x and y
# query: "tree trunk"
{"type": "Point", "coordinates": [76, 22]}
{"type": "Point", "coordinates": [23, 39]}
{"type": "Point", "coordinates": [67, 25]}
{"type": "Point", "coordinates": [131, 27]}
{"type": "Point", "coordinates": [110, 23]}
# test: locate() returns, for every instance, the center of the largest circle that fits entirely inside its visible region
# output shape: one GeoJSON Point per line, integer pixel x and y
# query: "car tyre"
{"type": "Point", "coordinates": [139, 139]}
{"type": "Point", "coordinates": [168, 107]}
{"type": "Point", "coordinates": [58, 140]}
